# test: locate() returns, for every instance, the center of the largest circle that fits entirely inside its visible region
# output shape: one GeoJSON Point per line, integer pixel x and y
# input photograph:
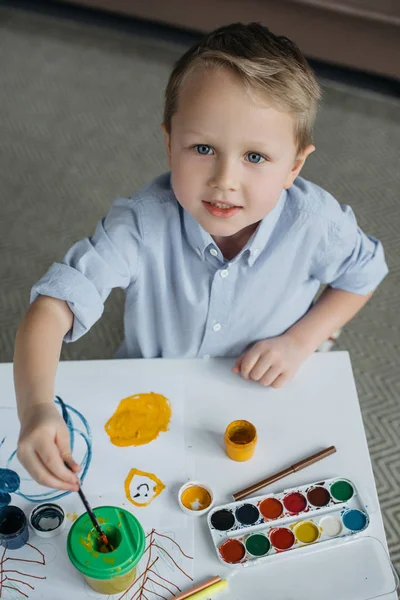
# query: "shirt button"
{"type": "Point", "coordinates": [224, 273]}
{"type": "Point", "coordinates": [213, 252]}
{"type": "Point", "coordinates": [217, 327]}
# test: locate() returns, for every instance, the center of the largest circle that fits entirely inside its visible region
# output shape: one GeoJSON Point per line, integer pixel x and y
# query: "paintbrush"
{"type": "Point", "coordinates": [92, 516]}
{"type": "Point", "coordinates": [310, 460]}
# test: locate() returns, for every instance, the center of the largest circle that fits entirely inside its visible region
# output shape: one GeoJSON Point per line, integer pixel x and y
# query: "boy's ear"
{"type": "Point", "coordinates": [167, 143]}
{"type": "Point", "coordinates": [298, 165]}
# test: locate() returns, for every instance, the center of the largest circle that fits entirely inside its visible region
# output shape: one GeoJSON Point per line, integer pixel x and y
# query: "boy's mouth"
{"type": "Point", "coordinates": [221, 209]}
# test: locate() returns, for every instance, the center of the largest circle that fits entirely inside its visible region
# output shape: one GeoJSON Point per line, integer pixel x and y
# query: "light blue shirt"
{"type": "Point", "coordinates": [184, 299]}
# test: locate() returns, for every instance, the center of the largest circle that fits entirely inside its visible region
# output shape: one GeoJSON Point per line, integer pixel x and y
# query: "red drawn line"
{"type": "Point", "coordinates": [19, 581]}
{"type": "Point", "coordinates": [11, 587]}
{"type": "Point", "coordinates": [24, 574]}
{"type": "Point", "coordinates": [136, 580]}
{"type": "Point", "coordinates": [163, 549]}
{"type": "Point", "coordinates": [37, 562]}
{"type": "Point", "coordinates": [136, 594]}
{"type": "Point", "coordinates": [152, 592]}
{"type": "Point", "coordinates": [171, 582]}
{"type": "Point", "coordinates": [160, 584]}
{"type": "Point", "coordinates": [4, 577]}
{"type": "Point", "coordinates": [176, 544]}
{"type": "Point", "coordinates": [145, 577]}
{"type": "Point", "coordinates": [37, 550]}
{"type": "Point", "coordinates": [1, 570]}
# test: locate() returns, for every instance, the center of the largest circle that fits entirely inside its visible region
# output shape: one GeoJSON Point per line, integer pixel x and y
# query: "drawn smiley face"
{"type": "Point", "coordinates": [141, 488]}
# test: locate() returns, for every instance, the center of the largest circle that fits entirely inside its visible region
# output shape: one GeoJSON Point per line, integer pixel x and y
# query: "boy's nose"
{"type": "Point", "coordinates": [225, 177]}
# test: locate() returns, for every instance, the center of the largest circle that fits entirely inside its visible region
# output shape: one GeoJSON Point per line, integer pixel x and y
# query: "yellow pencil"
{"type": "Point", "coordinates": [210, 591]}
{"type": "Point", "coordinates": [197, 588]}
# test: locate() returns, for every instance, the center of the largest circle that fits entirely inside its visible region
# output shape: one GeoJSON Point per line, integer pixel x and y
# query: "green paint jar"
{"type": "Point", "coordinates": [107, 572]}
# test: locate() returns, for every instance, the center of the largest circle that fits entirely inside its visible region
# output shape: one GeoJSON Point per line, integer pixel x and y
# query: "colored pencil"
{"type": "Point", "coordinates": [207, 592]}
{"type": "Point", "coordinates": [306, 462]}
{"type": "Point", "coordinates": [197, 588]}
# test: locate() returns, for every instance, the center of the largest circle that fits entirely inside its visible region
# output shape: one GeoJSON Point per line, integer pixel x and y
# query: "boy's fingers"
{"type": "Point", "coordinates": [236, 368]}
{"type": "Point", "coordinates": [261, 367]}
{"type": "Point", "coordinates": [40, 473]}
{"type": "Point", "coordinates": [63, 443]}
{"type": "Point", "coordinates": [45, 477]}
{"type": "Point", "coordinates": [279, 381]}
{"type": "Point", "coordinates": [270, 376]}
{"type": "Point", "coordinates": [248, 362]}
{"type": "Point", "coordinates": [50, 456]}
{"type": "Point", "coordinates": [74, 466]}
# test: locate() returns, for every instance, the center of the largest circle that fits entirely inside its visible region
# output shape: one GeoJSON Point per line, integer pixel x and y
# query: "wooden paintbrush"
{"type": "Point", "coordinates": [92, 516]}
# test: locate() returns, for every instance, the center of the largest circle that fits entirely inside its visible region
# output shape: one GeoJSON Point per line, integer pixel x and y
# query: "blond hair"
{"type": "Point", "coordinates": [264, 62]}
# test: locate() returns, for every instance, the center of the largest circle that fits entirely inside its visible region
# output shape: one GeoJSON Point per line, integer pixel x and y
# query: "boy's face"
{"type": "Point", "coordinates": [230, 153]}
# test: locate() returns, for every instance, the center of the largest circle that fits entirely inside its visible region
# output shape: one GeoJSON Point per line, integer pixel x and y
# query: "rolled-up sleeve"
{"type": "Point", "coordinates": [93, 267]}
{"type": "Point", "coordinates": [351, 260]}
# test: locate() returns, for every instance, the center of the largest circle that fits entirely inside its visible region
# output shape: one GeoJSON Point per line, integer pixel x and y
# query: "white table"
{"type": "Point", "coordinates": [323, 395]}
{"type": "Point", "coordinates": [317, 409]}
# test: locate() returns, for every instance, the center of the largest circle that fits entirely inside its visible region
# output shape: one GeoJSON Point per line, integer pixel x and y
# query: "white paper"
{"type": "Point", "coordinates": [96, 398]}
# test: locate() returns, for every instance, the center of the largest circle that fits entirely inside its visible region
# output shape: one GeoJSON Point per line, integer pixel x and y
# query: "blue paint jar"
{"type": "Point", "coordinates": [14, 532]}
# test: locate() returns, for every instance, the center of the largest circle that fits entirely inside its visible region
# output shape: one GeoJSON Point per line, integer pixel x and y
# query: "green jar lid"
{"type": "Point", "coordinates": [125, 534]}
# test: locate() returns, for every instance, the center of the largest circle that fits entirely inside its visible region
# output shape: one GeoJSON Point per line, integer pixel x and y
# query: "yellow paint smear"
{"type": "Point", "coordinates": [139, 419]}
{"type": "Point", "coordinates": [196, 498]}
{"type": "Point", "coordinates": [73, 516]}
{"type": "Point", "coordinates": [157, 488]}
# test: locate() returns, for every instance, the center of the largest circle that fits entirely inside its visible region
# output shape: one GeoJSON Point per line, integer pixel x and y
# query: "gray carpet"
{"type": "Point", "coordinates": [80, 108]}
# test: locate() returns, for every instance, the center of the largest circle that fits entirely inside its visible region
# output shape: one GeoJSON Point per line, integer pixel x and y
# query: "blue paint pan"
{"type": "Point", "coordinates": [14, 532]}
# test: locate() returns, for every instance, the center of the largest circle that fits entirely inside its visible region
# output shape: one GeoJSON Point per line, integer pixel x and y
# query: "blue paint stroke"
{"type": "Point", "coordinates": [2, 442]}
{"type": "Point", "coordinates": [9, 481]}
{"type": "Point", "coordinates": [5, 499]}
{"type": "Point", "coordinates": [86, 435]}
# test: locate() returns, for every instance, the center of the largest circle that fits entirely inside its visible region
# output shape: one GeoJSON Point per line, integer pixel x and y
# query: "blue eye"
{"type": "Point", "coordinates": [203, 149]}
{"type": "Point", "coordinates": [255, 158]}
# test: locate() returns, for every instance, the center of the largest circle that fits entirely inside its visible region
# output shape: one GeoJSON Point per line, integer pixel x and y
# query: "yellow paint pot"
{"type": "Point", "coordinates": [195, 498]}
{"type": "Point", "coordinates": [240, 440]}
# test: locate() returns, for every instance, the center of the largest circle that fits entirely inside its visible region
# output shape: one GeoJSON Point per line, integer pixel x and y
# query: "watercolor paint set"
{"type": "Point", "coordinates": [251, 530]}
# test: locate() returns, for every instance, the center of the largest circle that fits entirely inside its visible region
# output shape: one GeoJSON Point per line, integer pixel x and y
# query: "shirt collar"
{"type": "Point", "coordinates": [198, 238]}
{"type": "Point", "coordinates": [262, 234]}
{"type": "Point", "coordinates": [201, 241]}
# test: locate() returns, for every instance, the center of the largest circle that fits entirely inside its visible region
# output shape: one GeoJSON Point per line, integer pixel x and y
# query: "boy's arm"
{"type": "Point", "coordinates": [276, 360]}
{"type": "Point", "coordinates": [346, 259]}
{"type": "Point", "coordinates": [333, 309]}
{"type": "Point", "coordinates": [37, 351]}
{"type": "Point", "coordinates": [44, 438]}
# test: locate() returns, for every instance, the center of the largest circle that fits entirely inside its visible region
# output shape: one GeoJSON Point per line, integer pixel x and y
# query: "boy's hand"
{"type": "Point", "coordinates": [273, 361]}
{"type": "Point", "coordinates": [43, 447]}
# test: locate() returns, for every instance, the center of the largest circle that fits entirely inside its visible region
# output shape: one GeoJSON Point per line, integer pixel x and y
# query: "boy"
{"type": "Point", "coordinates": [223, 256]}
